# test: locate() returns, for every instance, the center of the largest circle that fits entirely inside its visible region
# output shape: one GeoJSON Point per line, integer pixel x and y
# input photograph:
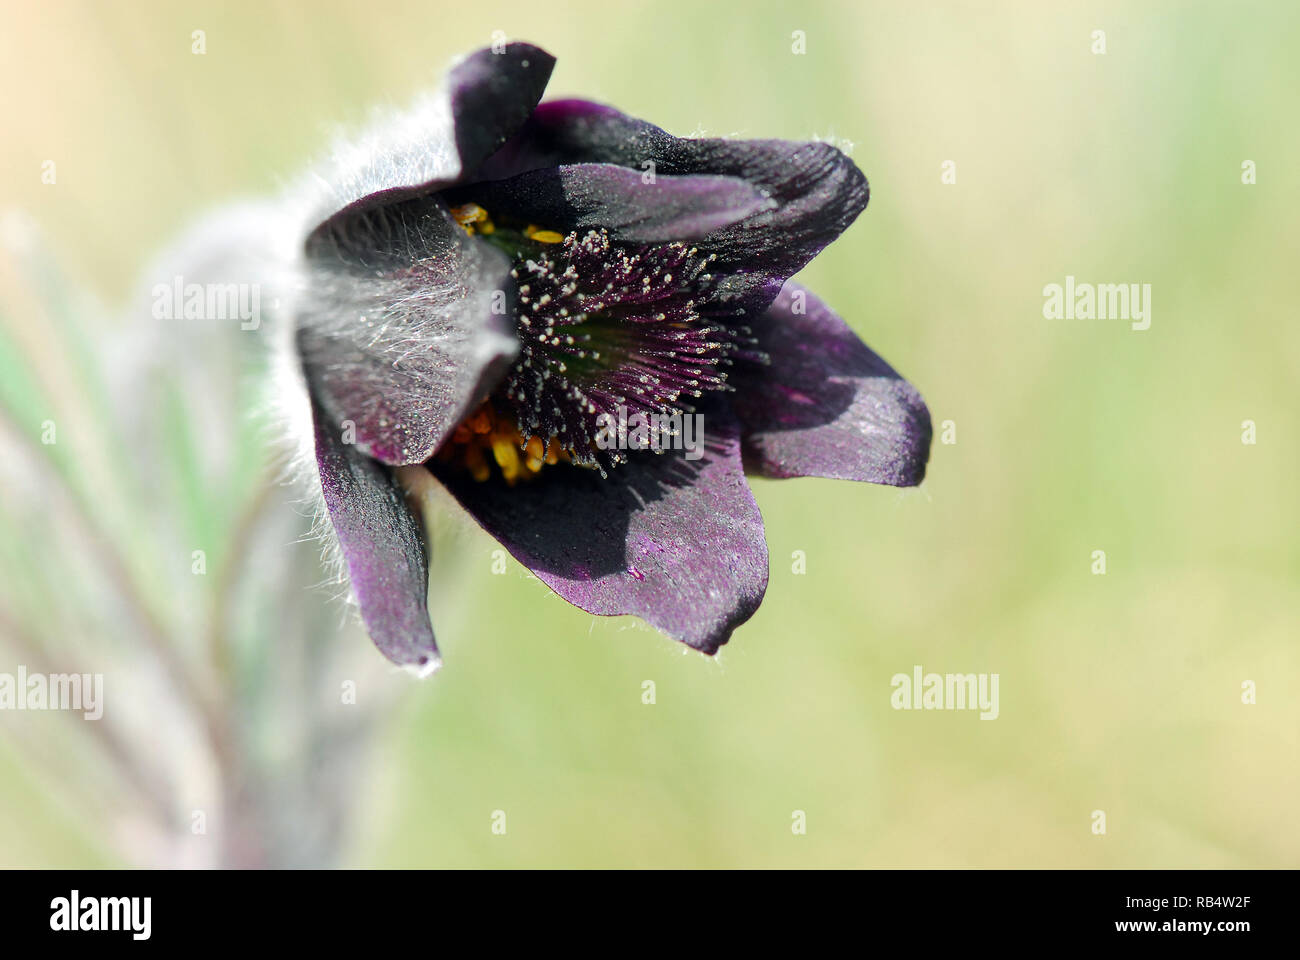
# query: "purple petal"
{"type": "Point", "coordinates": [817, 190]}
{"type": "Point", "coordinates": [827, 406]}
{"type": "Point", "coordinates": [492, 94]}
{"type": "Point", "coordinates": [402, 329]}
{"type": "Point", "coordinates": [678, 543]}
{"type": "Point", "coordinates": [443, 138]}
{"type": "Point", "coordinates": [589, 195]}
{"type": "Point", "coordinates": [383, 547]}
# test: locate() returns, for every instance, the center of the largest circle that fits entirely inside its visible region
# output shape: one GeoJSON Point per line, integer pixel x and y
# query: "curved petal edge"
{"type": "Point", "coordinates": [383, 549]}
{"type": "Point", "coordinates": [827, 406]}
{"type": "Point", "coordinates": [678, 543]}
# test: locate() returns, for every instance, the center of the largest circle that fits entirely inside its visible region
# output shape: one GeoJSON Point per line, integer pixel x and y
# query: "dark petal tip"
{"type": "Point", "coordinates": [493, 91]}
{"type": "Point", "coordinates": [442, 139]}
{"type": "Point", "coordinates": [383, 548]}
{"type": "Point", "coordinates": [826, 405]}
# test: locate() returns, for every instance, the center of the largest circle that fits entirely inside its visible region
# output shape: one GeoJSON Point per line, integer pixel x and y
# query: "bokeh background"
{"type": "Point", "coordinates": [1119, 692]}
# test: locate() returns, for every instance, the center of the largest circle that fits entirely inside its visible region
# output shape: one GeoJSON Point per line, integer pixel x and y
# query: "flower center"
{"type": "Point", "coordinates": [603, 327]}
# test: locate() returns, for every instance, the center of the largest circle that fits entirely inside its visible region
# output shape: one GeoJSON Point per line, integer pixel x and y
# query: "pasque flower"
{"type": "Point", "coordinates": [496, 279]}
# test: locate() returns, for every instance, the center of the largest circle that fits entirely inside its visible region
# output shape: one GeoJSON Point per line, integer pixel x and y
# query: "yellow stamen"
{"type": "Point", "coordinates": [469, 214]}
{"type": "Point", "coordinates": [535, 454]}
{"type": "Point", "coordinates": [507, 456]}
{"type": "Point", "coordinates": [486, 437]}
{"type": "Point", "coordinates": [534, 232]}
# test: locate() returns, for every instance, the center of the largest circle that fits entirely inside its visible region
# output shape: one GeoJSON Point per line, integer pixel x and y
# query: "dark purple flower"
{"type": "Point", "coordinates": [491, 292]}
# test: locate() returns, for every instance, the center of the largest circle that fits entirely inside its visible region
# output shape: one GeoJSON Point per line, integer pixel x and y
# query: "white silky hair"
{"type": "Point", "coordinates": [263, 242]}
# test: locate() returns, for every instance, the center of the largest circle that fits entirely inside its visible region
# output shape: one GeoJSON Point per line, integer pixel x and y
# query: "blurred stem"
{"type": "Point", "coordinates": [160, 643]}
{"type": "Point", "coordinates": [228, 577]}
{"type": "Point", "coordinates": [149, 790]}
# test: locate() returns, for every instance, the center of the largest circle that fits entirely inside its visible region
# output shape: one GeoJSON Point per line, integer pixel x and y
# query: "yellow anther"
{"type": "Point", "coordinates": [469, 213]}
{"type": "Point", "coordinates": [536, 454]}
{"type": "Point", "coordinates": [542, 236]}
{"type": "Point", "coordinates": [487, 436]}
{"type": "Point", "coordinates": [507, 457]}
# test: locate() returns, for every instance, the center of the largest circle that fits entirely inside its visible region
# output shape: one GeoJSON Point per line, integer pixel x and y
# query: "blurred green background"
{"type": "Point", "coordinates": [1119, 692]}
